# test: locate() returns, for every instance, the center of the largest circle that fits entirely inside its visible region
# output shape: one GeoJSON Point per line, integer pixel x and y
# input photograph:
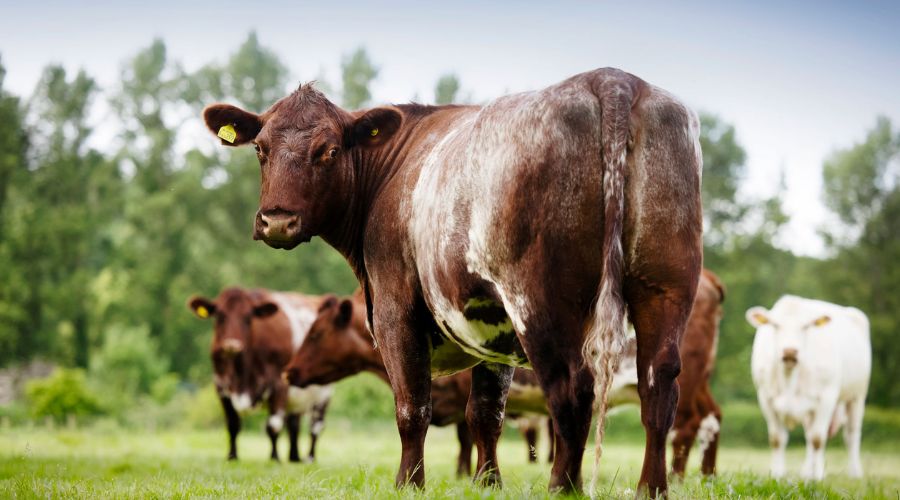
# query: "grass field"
{"type": "Point", "coordinates": [360, 463]}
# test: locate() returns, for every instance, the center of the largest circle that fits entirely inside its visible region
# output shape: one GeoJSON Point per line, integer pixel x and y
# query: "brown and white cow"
{"type": "Point", "coordinates": [339, 345]}
{"type": "Point", "coordinates": [488, 236]}
{"type": "Point", "coordinates": [255, 333]}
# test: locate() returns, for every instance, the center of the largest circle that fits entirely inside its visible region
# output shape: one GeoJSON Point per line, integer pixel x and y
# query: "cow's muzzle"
{"type": "Point", "coordinates": [293, 377]}
{"type": "Point", "coordinates": [278, 228]}
{"type": "Point", "coordinates": [789, 356]}
{"type": "Point", "coordinates": [232, 346]}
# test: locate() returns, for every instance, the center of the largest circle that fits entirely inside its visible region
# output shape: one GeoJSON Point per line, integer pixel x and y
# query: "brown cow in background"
{"type": "Point", "coordinates": [697, 415]}
{"type": "Point", "coordinates": [255, 334]}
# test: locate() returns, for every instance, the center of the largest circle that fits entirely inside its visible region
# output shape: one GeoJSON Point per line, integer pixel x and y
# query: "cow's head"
{"type": "Point", "coordinates": [307, 149]}
{"type": "Point", "coordinates": [337, 345]}
{"type": "Point", "coordinates": [232, 312]}
{"type": "Point", "coordinates": [791, 332]}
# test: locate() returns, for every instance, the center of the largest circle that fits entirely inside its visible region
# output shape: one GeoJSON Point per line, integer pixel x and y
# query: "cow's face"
{"type": "Point", "coordinates": [306, 148]}
{"type": "Point", "coordinates": [232, 313]}
{"type": "Point", "coordinates": [791, 334]}
{"type": "Point", "coordinates": [332, 348]}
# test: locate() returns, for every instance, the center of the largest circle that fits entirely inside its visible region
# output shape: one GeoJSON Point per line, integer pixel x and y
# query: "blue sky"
{"type": "Point", "coordinates": [797, 80]}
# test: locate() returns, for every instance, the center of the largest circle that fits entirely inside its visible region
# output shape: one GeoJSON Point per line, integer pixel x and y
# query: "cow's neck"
{"type": "Point", "coordinates": [374, 169]}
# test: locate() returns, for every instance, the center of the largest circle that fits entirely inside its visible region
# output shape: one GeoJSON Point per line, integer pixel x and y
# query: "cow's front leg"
{"type": "Point", "coordinates": [316, 425]}
{"type": "Point", "coordinates": [484, 413]}
{"type": "Point", "coordinates": [816, 436]}
{"type": "Point", "coordinates": [233, 421]}
{"type": "Point", "coordinates": [275, 422]}
{"type": "Point", "coordinates": [293, 425]}
{"type": "Point", "coordinates": [853, 435]}
{"type": "Point", "coordinates": [407, 358]}
{"type": "Point", "coordinates": [778, 435]}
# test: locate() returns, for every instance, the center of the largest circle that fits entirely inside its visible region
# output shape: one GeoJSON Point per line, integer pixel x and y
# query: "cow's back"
{"type": "Point", "coordinates": [276, 337]}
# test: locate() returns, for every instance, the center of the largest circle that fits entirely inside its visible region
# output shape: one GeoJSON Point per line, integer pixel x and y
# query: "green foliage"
{"type": "Point", "coordinates": [128, 362]}
{"type": "Point", "coordinates": [446, 89]}
{"type": "Point", "coordinates": [363, 398]}
{"type": "Point", "coordinates": [862, 187]}
{"type": "Point", "coordinates": [100, 250]}
{"type": "Point", "coordinates": [357, 74]}
{"type": "Point", "coordinates": [64, 393]}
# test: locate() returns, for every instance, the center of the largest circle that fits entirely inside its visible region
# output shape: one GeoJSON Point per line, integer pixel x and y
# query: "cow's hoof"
{"type": "Point", "coordinates": [232, 458]}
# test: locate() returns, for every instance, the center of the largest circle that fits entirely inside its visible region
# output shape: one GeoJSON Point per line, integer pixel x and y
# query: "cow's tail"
{"type": "Point", "coordinates": [607, 330]}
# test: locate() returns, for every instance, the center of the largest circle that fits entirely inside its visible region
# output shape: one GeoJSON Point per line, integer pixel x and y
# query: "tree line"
{"type": "Point", "coordinates": [99, 249]}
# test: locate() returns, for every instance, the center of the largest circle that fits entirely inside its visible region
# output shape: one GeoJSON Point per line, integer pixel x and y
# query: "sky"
{"type": "Point", "coordinates": [798, 80]}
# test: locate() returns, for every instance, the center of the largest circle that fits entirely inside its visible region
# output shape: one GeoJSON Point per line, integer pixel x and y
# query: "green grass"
{"type": "Point", "coordinates": [359, 462]}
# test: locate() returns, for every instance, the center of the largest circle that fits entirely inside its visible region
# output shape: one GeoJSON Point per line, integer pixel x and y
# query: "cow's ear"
{"type": "Point", "coordinates": [265, 309]}
{"type": "Point", "coordinates": [374, 127]}
{"type": "Point", "coordinates": [201, 306]}
{"type": "Point", "coordinates": [233, 125]}
{"type": "Point", "coordinates": [758, 316]}
{"type": "Point", "coordinates": [345, 312]}
{"type": "Point", "coordinates": [330, 301]}
{"type": "Point", "coordinates": [822, 320]}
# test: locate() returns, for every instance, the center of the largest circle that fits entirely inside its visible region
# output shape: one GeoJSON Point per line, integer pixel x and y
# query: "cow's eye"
{"type": "Point", "coordinates": [332, 153]}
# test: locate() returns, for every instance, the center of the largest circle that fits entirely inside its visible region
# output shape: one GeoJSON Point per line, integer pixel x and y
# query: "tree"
{"type": "Point", "coordinates": [862, 189]}
{"type": "Point", "coordinates": [446, 89]}
{"type": "Point", "coordinates": [357, 74]}
{"type": "Point", "coordinates": [13, 149]}
{"type": "Point", "coordinates": [723, 168]}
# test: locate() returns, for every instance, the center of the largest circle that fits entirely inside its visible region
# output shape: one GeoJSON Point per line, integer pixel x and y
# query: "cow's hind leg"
{"type": "Point", "coordinates": [659, 316]}
{"type": "Point", "coordinates": [551, 440]}
{"type": "Point", "coordinates": [484, 414]}
{"type": "Point", "coordinates": [554, 345]}
{"type": "Point", "coordinates": [710, 428]}
{"type": "Point", "coordinates": [233, 421]}
{"type": "Point", "coordinates": [464, 462]}
{"type": "Point", "coordinates": [316, 425]}
{"type": "Point", "coordinates": [293, 425]}
{"type": "Point", "coordinates": [687, 423]}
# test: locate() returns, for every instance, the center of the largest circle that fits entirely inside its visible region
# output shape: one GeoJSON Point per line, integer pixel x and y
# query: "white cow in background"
{"type": "Point", "coordinates": [811, 364]}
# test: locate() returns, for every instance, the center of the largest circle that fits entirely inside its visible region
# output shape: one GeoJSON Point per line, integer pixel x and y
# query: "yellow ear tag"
{"type": "Point", "coordinates": [761, 319]}
{"type": "Point", "coordinates": [227, 133]}
{"type": "Point", "coordinates": [822, 321]}
{"type": "Point", "coordinates": [202, 312]}
{"type": "Point", "coordinates": [374, 132]}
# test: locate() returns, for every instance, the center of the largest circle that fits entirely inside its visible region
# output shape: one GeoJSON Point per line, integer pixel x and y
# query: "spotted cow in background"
{"type": "Point", "coordinates": [255, 334]}
{"type": "Point", "coordinates": [512, 234]}
{"type": "Point", "coordinates": [811, 365]}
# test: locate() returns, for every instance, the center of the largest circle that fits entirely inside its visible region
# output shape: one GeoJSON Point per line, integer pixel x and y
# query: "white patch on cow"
{"type": "Point", "coordinates": [303, 400]}
{"type": "Point", "coordinates": [276, 422]}
{"type": "Point", "coordinates": [299, 317]}
{"type": "Point", "coordinates": [709, 429]}
{"type": "Point", "coordinates": [241, 402]}
{"type": "Point", "coordinates": [650, 380]}
{"type": "Point", "coordinates": [671, 435]}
